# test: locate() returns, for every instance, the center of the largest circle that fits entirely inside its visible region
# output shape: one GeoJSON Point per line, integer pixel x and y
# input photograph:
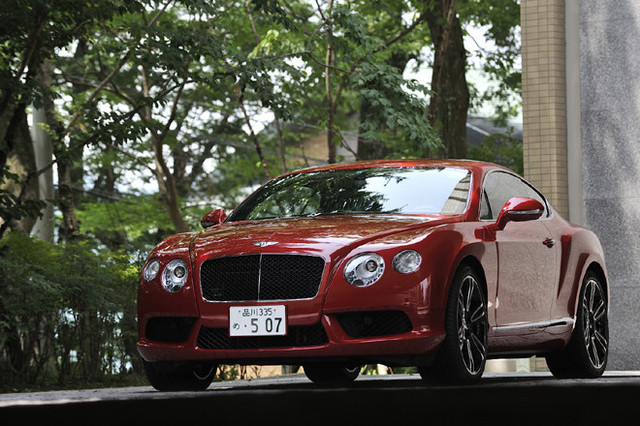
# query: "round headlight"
{"type": "Point", "coordinates": [151, 270]}
{"type": "Point", "coordinates": [174, 275]}
{"type": "Point", "coordinates": [364, 269]}
{"type": "Point", "coordinates": [407, 261]}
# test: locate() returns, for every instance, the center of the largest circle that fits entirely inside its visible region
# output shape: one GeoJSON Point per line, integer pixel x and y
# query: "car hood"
{"type": "Point", "coordinates": [326, 236]}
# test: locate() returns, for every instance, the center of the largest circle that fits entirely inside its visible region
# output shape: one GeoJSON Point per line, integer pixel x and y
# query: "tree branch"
{"type": "Point", "coordinates": [111, 75]}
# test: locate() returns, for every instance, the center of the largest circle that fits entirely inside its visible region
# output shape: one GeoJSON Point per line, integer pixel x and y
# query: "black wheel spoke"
{"type": "Point", "coordinates": [478, 315]}
{"type": "Point", "coordinates": [472, 359]}
{"type": "Point", "coordinates": [478, 347]}
{"type": "Point", "coordinates": [471, 325]}
{"type": "Point", "coordinates": [600, 311]}
{"type": "Point", "coordinates": [594, 311]}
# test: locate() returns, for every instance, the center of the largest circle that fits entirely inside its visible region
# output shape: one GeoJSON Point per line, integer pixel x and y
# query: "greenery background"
{"type": "Point", "coordinates": [155, 112]}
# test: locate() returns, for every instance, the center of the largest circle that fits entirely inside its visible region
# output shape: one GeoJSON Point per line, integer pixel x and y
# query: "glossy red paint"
{"type": "Point", "coordinates": [531, 264]}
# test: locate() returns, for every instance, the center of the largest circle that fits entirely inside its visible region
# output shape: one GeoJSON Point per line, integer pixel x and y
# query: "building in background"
{"type": "Point", "coordinates": [581, 90]}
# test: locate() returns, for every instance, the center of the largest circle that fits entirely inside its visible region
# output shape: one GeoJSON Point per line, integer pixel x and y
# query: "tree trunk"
{"type": "Point", "coordinates": [450, 102]}
{"type": "Point", "coordinates": [43, 228]}
{"type": "Point", "coordinates": [256, 143]}
{"type": "Point", "coordinates": [66, 202]}
{"type": "Point", "coordinates": [167, 192]}
{"type": "Point", "coordinates": [16, 152]}
{"type": "Point", "coordinates": [65, 159]}
{"type": "Point", "coordinates": [283, 152]}
{"type": "Point", "coordinates": [331, 104]}
{"type": "Point", "coordinates": [20, 160]}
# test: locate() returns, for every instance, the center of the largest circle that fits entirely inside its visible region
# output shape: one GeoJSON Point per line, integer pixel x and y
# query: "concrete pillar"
{"type": "Point", "coordinates": [544, 102]}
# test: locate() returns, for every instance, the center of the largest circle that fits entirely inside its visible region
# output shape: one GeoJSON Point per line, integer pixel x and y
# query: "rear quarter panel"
{"type": "Point", "coordinates": [580, 250]}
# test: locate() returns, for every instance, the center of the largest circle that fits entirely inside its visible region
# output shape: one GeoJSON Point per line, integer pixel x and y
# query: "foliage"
{"type": "Point", "coordinates": [11, 207]}
{"type": "Point", "coordinates": [67, 312]}
{"type": "Point", "coordinates": [500, 149]}
{"type": "Point", "coordinates": [501, 18]}
{"type": "Point", "coordinates": [134, 221]}
{"type": "Point", "coordinates": [158, 111]}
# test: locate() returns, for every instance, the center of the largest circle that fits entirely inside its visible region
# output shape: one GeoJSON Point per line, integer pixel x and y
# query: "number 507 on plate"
{"type": "Point", "coordinates": [257, 320]}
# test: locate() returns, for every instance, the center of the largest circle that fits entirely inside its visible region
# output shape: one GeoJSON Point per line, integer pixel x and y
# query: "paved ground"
{"type": "Point", "coordinates": [514, 399]}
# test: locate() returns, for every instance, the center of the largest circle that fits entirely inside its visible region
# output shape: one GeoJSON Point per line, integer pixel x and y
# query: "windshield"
{"type": "Point", "coordinates": [386, 190]}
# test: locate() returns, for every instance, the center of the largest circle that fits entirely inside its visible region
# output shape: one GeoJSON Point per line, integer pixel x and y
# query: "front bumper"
{"type": "Point", "coordinates": [326, 340]}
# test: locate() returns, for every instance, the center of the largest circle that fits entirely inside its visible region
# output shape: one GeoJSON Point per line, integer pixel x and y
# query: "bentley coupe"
{"type": "Point", "coordinates": [435, 264]}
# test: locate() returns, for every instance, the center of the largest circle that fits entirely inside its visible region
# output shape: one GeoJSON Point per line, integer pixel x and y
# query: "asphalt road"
{"type": "Point", "coordinates": [513, 399]}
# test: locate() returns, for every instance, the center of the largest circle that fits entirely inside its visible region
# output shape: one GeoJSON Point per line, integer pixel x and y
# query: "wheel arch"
{"type": "Point", "coordinates": [447, 251]}
{"type": "Point", "coordinates": [601, 274]}
{"type": "Point", "coordinates": [474, 263]}
{"type": "Point", "coordinates": [581, 253]}
{"type": "Point", "coordinates": [590, 266]}
{"type": "Point", "coordinates": [597, 269]}
{"type": "Point", "coordinates": [469, 258]}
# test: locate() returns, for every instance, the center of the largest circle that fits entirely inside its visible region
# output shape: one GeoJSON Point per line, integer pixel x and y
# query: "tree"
{"type": "Point", "coordinates": [34, 31]}
{"type": "Point", "coordinates": [362, 60]}
{"type": "Point", "coordinates": [158, 110]}
{"type": "Point", "coordinates": [501, 19]}
{"type": "Point", "coordinates": [450, 95]}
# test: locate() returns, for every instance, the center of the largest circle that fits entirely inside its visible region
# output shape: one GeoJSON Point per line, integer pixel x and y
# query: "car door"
{"type": "Point", "coordinates": [526, 253]}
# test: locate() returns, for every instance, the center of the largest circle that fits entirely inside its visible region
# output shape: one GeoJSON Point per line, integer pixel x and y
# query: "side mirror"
{"type": "Point", "coordinates": [214, 217]}
{"type": "Point", "coordinates": [519, 209]}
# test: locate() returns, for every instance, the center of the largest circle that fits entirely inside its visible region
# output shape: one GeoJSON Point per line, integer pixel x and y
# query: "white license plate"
{"type": "Point", "coordinates": [257, 320]}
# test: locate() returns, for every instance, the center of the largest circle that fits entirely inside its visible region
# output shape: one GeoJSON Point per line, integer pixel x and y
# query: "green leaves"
{"type": "Point", "coordinates": [63, 298]}
{"type": "Point", "coordinates": [144, 102]}
{"type": "Point", "coordinates": [501, 21]}
{"type": "Point", "coordinates": [396, 110]}
{"type": "Point", "coordinates": [501, 149]}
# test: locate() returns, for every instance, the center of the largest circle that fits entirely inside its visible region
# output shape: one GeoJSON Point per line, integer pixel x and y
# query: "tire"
{"type": "Point", "coordinates": [170, 377]}
{"type": "Point", "coordinates": [463, 354]}
{"type": "Point", "coordinates": [331, 373]}
{"type": "Point", "coordinates": [587, 352]}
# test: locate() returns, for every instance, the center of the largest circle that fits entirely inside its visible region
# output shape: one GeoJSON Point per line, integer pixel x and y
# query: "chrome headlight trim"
{"type": "Point", "coordinates": [364, 269]}
{"type": "Point", "coordinates": [174, 275]}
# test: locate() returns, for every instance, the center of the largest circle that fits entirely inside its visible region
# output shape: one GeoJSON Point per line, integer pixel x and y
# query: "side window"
{"type": "Point", "coordinates": [498, 188]}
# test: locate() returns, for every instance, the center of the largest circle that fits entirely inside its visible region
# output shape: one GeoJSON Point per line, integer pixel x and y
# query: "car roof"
{"type": "Point", "coordinates": [472, 165]}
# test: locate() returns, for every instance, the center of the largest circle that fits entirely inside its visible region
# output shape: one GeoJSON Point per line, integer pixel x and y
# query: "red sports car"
{"type": "Point", "coordinates": [428, 263]}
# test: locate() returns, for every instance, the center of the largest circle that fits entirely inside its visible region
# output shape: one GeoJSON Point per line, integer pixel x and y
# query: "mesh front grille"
{"type": "Point", "coordinates": [297, 336]}
{"type": "Point", "coordinates": [261, 277]}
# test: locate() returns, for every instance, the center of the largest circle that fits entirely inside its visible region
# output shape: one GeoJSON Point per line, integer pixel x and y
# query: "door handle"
{"type": "Point", "coordinates": [549, 242]}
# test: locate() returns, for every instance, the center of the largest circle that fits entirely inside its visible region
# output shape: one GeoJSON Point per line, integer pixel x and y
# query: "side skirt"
{"type": "Point", "coordinates": [535, 326]}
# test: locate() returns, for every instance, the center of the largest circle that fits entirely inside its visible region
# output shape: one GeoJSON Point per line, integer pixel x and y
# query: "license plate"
{"type": "Point", "coordinates": [257, 320]}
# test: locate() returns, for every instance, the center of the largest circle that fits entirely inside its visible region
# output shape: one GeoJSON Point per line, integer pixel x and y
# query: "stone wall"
{"type": "Point", "coordinates": [609, 43]}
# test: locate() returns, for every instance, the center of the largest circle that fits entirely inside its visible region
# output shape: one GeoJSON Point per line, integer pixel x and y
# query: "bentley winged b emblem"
{"type": "Point", "coordinates": [264, 243]}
